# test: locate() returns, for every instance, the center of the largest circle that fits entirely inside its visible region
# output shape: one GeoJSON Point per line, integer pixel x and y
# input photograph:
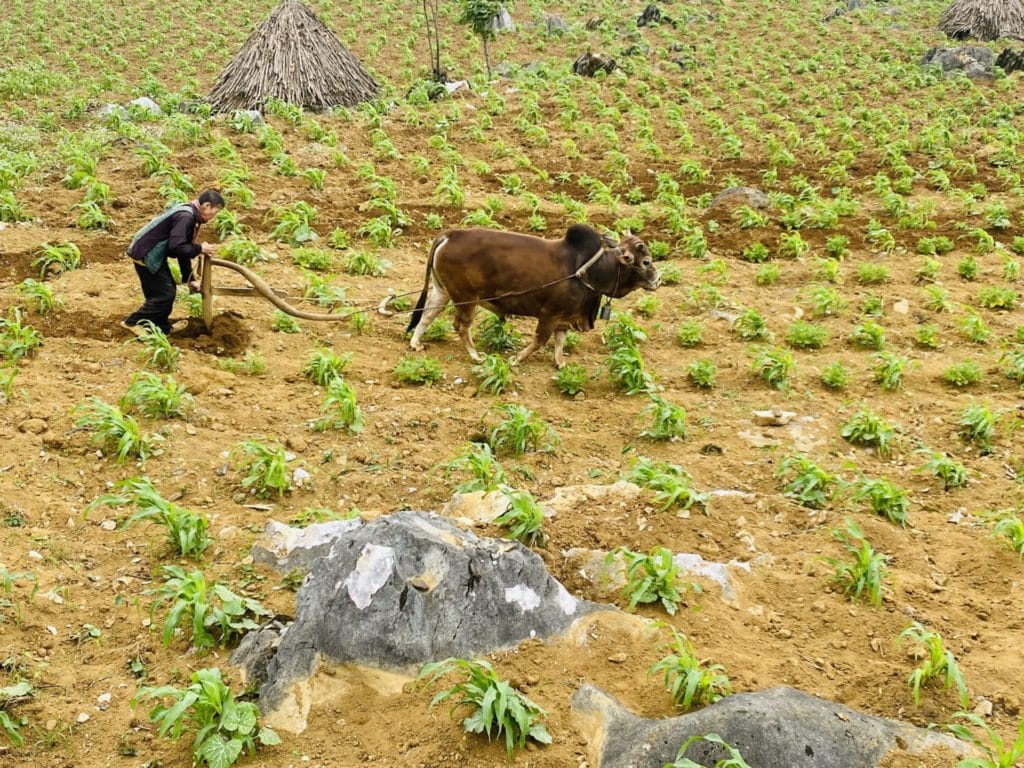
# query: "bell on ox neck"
{"type": "Point", "coordinates": [605, 313]}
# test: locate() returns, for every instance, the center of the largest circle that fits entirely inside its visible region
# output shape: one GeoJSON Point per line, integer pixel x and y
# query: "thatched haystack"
{"type": "Point", "coordinates": [294, 57]}
{"type": "Point", "coordinates": [984, 19]}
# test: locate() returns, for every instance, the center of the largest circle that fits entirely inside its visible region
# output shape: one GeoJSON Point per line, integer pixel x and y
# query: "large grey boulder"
{"type": "Point", "coordinates": [146, 106]}
{"type": "Point", "coordinates": [975, 61]}
{"type": "Point", "coordinates": [410, 588]}
{"type": "Point", "coordinates": [777, 728]}
{"type": "Point", "coordinates": [732, 198]}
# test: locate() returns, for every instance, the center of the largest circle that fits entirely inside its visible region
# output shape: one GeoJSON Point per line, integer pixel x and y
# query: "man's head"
{"type": "Point", "coordinates": [210, 202]}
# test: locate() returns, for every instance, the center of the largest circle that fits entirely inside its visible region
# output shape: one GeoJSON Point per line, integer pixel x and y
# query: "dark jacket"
{"type": "Point", "coordinates": [179, 231]}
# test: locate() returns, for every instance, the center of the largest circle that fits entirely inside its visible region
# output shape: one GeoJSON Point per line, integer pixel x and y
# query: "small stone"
{"type": "Point", "coordinates": [103, 701]}
{"type": "Point", "coordinates": [33, 555]}
{"type": "Point", "coordinates": [983, 707]}
{"type": "Point", "coordinates": [52, 440]}
{"type": "Point", "coordinates": [83, 717]}
{"type": "Point", "coordinates": [147, 621]}
{"type": "Point", "coordinates": [108, 525]}
{"type": "Point", "coordinates": [50, 724]}
{"type": "Point", "coordinates": [901, 307]}
{"type": "Point", "coordinates": [52, 630]}
{"type": "Point", "coordinates": [190, 430]}
{"type": "Point", "coordinates": [296, 443]}
{"type": "Point", "coordinates": [617, 658]}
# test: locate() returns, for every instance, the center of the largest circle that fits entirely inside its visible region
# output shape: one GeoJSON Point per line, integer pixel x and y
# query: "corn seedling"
{"type": "Point", "coordinates": [701, 373]}
{"type": "Point", "coordinates": [11, 725]}
{"type": "Point", "coordinates": [938, 664]}
{"type": "Point", "coordinates": [885, 498]}
{"type": "Point", "coordinates": [774, 366]}
{"type": "Point", "coordinates": [968, 268]}
{"type": "Point", "coordinates": [264, 468]}
{"type": "Point", "coordinates": [478, 459]}
{"type": "Point", "coordinates": [40, 295]}
{"type": "Point", "coordinates": [689, 333]}
{"type": "Point", "coordinates": [295, 223]}
{"type": "Point", "coordinates": [7, 375]}
{"type": "Point", "coordinates": [242, 251]}
{"type": "Point", "coordinates": [627, 370]}
{"type": "Point", "coordinates": [668, 420]}
{"type": "Point", "coordinates": [978, 425]}
{"type": "Point", "coordinates": [952, 473]}
{"type": "Point", "coordinates": [865, 427]}
{"type": "Point", "coordinates": [868, 336]}
{"type": "Point", "coordinates": [963, 374]}
{"type": "Point", "coordinates": [974, 328]}
{"type": "Point", "coordinates": [419, 371]}
{"type": "Point", "coordinates": [339, 409]}
{"type": "Point", "coordinates": [252, 363]}
{"type": "Point", "coordinates": [804, 335]}
{"type": "Point", "coordinates": [498, 336]}
{"type": "Point", "coordinates": [690, 682]}
{"type": "Point", "coordinates": [284, 323]}
{"type": "Point", "coordinates": [316, 259]}
{"type": "Point", "coordinates": [835, 376]}
{"type": "Point", "coordinates": [114, 431]}
{"type": "Point", "coordinates": [825, 300]}
{"type": "Point", "coordinates": [864, 575]}
{"type": "Point", "coordinates": [323, 365]}
{"type": "Point", "coordinates": [767, 275]}
{"type": "Point", "coordinates": [571, 379]}
{"type": "Point", "coordinates": [366, 263]}
{"type": "Point", "coordinates": [809, 485]}
{"type": "Point", "coordinates": [225, 727]}
{"type": "Point", "coordinates": [523, 518]}
{"type": "Point", "coordinates": [1008, 526]}
{"type": "Point", "coordinates": [520, 430]}
{"type": "Point", "coordinates": [186, 531]}
{"type": "Point", "coordinates": [496, 706]}
{"type": "Point", "coordinates": [889, 370]}
{"type": "Point", "coordinates": [927, 336]}
{"type": "Point", "coordinates": [17, 340]}
{"type": "Point", "coordinates": [157, 350]}
{"type": "Point", "coordinates": [213, 613]}
{"type": "Point", "coordinates": [732, 759]}
{"type": "Point", "coordinates": [750, 326]}
{"type": "Point", "coordinates": [997, 297]}
{"type": "Point", "coordinates": [156, 397]}
{"type": "Point", "coordinates": [650, 578]}
{"type": "Point", "coordinates": [494, 373]}
{"type": "Point", "coordinates": [997, 752]}
{"type": "Point", "coordinates": [672, 485]}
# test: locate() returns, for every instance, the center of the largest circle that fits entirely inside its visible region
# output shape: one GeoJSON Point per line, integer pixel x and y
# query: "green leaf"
{"type": "Point", "coordinates": [218, 752]}
{"type": "Point", "coordinates": [268, 737]}
{"type": "Point", "coordinates": [16, 691]}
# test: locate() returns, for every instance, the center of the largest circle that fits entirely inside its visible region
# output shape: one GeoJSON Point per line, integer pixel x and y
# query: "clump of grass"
{"type": "Point", "coordinates": [702, 373]}
{"type": "Point", "coordinates": [486, 473]}
{"type": "Point", "coordinates": [689, 333]}
{"type": "Point", "coordinates": [978, 425]}
{"type": "Point", "coordinates": [339, 409]}
{"type": "Point", "coordinates": [252, 363]}
{"type": "Point", "coordinates": [804, 335]}
{"type": "Point", "coordinates": [963, 374]}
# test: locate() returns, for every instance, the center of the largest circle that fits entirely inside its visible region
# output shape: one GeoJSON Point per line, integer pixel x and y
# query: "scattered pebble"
{"type": "Point", "coordinates": [103, 701]}
{"type": "Point", "coordinates": [83, 717]}
{"type": "Point", "coordinates": [108, 525]}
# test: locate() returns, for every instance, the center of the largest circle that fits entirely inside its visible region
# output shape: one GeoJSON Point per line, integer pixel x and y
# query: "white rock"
{"type": "Point", "coordinates": [83, 717]}
{"type": "Point", "coordinates": [373, 569]}
{"type": "Point", "coordinates": [103, 701]}
{"type": "Point", "coordinates": [108, 525]}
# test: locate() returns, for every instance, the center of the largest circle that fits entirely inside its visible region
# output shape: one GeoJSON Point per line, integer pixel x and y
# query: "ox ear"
{"type": "Point", "coordinates": [626, 257]}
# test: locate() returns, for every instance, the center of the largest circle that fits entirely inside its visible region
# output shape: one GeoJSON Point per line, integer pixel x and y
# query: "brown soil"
{"type": "Point", "coordinates": [789, 626]}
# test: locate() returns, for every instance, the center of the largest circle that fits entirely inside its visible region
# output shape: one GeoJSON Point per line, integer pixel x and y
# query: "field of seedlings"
{"type": "Point", "coordinates": [868, 298]}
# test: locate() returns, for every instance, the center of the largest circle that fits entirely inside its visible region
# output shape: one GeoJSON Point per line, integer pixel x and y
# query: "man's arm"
{"type": "Point", "coordinates": [180, 245]}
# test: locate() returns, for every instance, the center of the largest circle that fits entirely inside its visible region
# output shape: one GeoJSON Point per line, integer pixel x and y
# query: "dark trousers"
{"type": "Point", "coordinates": [159, 290]}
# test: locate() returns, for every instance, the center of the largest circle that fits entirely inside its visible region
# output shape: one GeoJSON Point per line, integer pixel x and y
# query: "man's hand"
{"type": "Point", "coordinates": [194, 286]}
{"type": "Point", "coordinates": [208, 249]}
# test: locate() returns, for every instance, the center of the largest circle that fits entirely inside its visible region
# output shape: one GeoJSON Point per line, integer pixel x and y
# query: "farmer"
{"type": "Point", "coordinates": [171, 234]}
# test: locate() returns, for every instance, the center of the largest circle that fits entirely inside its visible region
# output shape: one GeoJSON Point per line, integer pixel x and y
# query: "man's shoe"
{"type": "Point", "coordinates": [136, 330]}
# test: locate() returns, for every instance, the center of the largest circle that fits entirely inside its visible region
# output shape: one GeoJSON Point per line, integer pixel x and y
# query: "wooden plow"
{"type": "Point", "coordinates": [258, 287]}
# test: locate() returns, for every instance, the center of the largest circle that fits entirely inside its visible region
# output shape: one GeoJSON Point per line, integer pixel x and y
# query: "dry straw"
{"type": "Point", "coordinates": [984, 19]}
{"type": "Point", "coordinates": [294, 57]}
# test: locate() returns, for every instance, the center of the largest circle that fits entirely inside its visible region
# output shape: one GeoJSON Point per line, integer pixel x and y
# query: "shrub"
{"type": "Point", "coordinates": [496, 706]}
{"type": "Point", "coordinates": [225, 727]}
{"type": "Point", "coordinates": [689, 681]}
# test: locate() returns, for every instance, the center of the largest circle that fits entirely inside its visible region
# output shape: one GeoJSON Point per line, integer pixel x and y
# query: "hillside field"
{"type": "Point", "coordinates": [876, 297]}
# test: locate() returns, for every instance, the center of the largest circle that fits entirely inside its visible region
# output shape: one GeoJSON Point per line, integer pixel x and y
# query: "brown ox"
{"type": "Point", "coordinates": [560, 282]}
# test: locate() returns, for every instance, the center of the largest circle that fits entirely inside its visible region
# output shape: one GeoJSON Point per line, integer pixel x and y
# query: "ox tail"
{"type": "Point", "coordinates": [417, 313]}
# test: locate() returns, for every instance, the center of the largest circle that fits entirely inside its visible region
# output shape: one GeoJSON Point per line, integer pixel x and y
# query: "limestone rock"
{"type": "Point", "coordinates": [476, 507]}
{"type": "Point", "coordinates": [146, 105]}
{"type": "Point", "coordinates": [555, 25]}
{"type": "Point", "coordinates": [973, 60]}
{"type": "Point", "coordinates": [285, 548]}
{"type": "Point", "coordinates": [589, 64]}
{"type": "Point", "coordinates": [776, 728]}
{"type": "Point", "coordinates": [410, 588]}
{"type": "Point", "coordinates": [732, 198]}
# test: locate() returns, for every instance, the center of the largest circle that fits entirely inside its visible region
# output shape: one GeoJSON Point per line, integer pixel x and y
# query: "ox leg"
{"type": "Point", "coordinates": [559, 345]}
{"type": "Point", "coordinates": [464, 327]}
{"type": "Point", "coordinates": [545, 328]}
{"type": "Point", "coordinates": [437, 299]}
